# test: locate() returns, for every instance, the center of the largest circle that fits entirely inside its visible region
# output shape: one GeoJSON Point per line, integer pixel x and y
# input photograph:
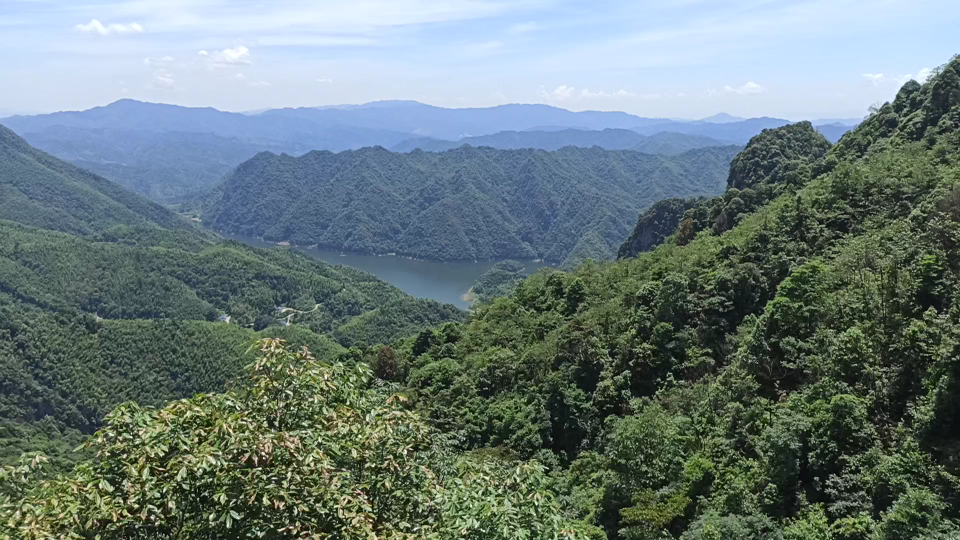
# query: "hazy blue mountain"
{"type": "Point", "coordinates": [834, 131]}
{"type": "Point", "coordinates": [737, 132]}
{"type": "Point", "coordinates": [852, 122]}
{"type": "Point", "coordinates": [609, 139]}
{"type": "Point", "coordinates": [722, 118]}
{"type": "Point", "coordinates": [453, 124]}
{"type": "Point", "coordinates": [670, 143]}
{"type": "Point", "coordinates": [172, 153]}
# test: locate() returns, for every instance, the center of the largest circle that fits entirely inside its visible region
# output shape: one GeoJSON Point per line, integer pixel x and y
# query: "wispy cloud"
{"type": "Point", "coordinates": [100, 29]}
{"type": "Point", "coordinates": [748, 88]}
{"type": "Point", "coordinates": [235, 56]}
{"type": "Point", "coordinates": [560, 93]}
{"type": "Point", "coordinates": [158, 61]}
{"type": "Point", "coordinates": [163, 80]}
{"type": "Point", "coordinates": [879, 79]}
{"type": "Point", "coordinates": [324, 80]}
{"type": "Point", "coordinates": [487, 48]}
{"type": "Point", "coordinates": [523, 28]}
{"type": "Point", "coordinates": [743, 90]}
{"type": "Point", "coordinates": [586, 93]}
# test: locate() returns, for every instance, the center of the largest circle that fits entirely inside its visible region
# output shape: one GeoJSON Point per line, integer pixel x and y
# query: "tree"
{"type": "Point", "coordinates": [303, 449]}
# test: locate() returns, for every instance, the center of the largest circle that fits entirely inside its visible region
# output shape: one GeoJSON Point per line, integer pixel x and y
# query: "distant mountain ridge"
{"type": "Point", "coordinates": [172, 153]}
{"type": "Point", "coordinates": [610, 139]}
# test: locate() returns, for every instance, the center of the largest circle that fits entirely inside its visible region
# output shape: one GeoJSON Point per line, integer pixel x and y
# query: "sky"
{"type": "Point", "coordinates": [791, 59]}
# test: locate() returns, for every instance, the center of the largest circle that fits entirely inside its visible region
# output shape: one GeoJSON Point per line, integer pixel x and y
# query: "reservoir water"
{"type": "Point", "coordinates": [445, 282]}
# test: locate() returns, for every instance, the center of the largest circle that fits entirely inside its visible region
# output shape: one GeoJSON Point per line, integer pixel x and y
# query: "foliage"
{"type": "Point", "coordinates": [795, 376]}
{"type": "Point", "coordinates": [40, 190]}
{"type": "Point", "coordinates": [302, 449]}
{"type": "Point", "coordinates": [775, 162]}
{"type": "Point", "coordinates": [500, 280]}
{"type": "Point", "coordinates": [131, 309]}
{"type": "Point", "coordinates": [463, 204]}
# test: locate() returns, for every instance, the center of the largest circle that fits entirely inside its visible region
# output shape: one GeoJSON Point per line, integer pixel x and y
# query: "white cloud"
{"type": "Point", "coordinates": [324, 80]}
{"type": "Point", "coordinates": [163, 80]}
{"type": "Point", "coordinates": [161, 61]}
{"type": "Point", "coordinates": [523, 28]}
{"type": "Point", "coordinates": [98, 28]}
{"type": "Point", "coordinates": [879, 79]}
{"type": "Point", "coordinates": [260, 84]}
{"type": "Point", "coordinates": [238, 77]}
{"type": "Point", "coordinates": [749, 88]}
{"type": "Point", "coordinates": [236, 56]}
{"type": "Point", "coordinates": [586, 93]}
{"type": "Point", "coordinates": [561, 93]}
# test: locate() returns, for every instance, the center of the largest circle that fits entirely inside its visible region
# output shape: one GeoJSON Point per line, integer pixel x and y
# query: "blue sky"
{"type": "Point", "coordinates": [668, 58]}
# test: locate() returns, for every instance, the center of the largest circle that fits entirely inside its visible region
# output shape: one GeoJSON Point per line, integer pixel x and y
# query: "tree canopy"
{"type": "Point", "coordinates": [301, 449]}
{"type": "Point", "coordinates": [463, 204]}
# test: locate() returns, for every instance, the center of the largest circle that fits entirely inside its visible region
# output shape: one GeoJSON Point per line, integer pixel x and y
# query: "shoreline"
{"type": "Point", "coordinates": [344, 253]}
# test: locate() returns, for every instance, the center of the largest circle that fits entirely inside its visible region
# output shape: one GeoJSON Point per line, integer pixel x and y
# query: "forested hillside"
{"type": "Point", "coordinates": [795, 376]}
{"type": "Point", "coordinates": [784, 365]}
{"type": "Point", "coordinates": [463, 204]}
{"type": "Point", "coordinates": [775, 162]}
{"type": "Point", "coordinates": [38, 189]}
{"type": "Point", "coordinates": [167, 167]}
{"type": "Point", "coordinates": [139, 305]}
{"type": "Point", "coordinates": [666, 143]}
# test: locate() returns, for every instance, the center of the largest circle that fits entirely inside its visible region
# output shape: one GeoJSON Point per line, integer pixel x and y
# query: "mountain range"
{"type": "Point", "coordinates": [470, 203]}
{"type": "Point", "coordinates": [667, 143]}
{"type": "Point", "coordinates": [106, 296]}
{"type": "Point", "coordinates": [172, 153]}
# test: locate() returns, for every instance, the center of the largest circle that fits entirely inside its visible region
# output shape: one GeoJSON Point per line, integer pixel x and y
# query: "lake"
{"type": "Point", "coordinates": [445, 282]}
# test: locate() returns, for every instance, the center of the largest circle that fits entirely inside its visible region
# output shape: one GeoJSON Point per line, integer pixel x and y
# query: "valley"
{"type": "Point", "coordinates": [400, 321]}
{"type": "Point", "coordinates": [445, 282]}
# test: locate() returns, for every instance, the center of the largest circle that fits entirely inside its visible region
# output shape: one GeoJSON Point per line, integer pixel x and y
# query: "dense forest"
{"type": "Point", "coordinates": [782, 367]}
{"type": "Point", "coordinates": [775, 162]}
{"type": "Point", "coordinates": [793, 377]}
{"type": "Point", "coordinates": [140, 305]}
{"type": "Point", "coordinates": [463, 204]}
{"type": "Point", "coordinates": [500, 280]}
{"type": "Point", "coordinates": [38, 189]}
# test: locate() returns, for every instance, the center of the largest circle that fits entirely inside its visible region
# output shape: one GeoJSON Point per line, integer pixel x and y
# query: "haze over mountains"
{"type": "Point", "coordinates": [172, 153]}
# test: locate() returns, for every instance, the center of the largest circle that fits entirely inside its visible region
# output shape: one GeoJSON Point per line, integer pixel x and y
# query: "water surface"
{"type": "Point", "coordinates": [441, 281]}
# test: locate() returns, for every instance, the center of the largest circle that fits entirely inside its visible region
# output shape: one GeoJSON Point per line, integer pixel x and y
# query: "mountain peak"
{"type": "Point", "coordinates": [722, 118]}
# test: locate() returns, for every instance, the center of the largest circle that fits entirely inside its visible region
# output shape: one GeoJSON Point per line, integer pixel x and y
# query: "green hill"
{"type": "Point", "coordinates": [40, 190]}
{"type": "Point", "coordinates": [793, 376]}
{"type": "Point", "coordinates": [775, 162]}
{"type": "Point", "coordinates": [106, 297]}
{"type": "Point", "coordinates": [463, 204]}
